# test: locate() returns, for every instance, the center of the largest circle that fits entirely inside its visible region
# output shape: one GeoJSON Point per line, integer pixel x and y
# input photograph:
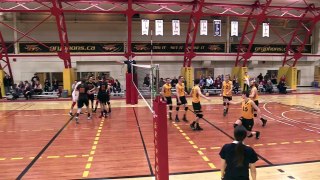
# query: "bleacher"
{"type": "Point", "coordinates": [45, 95]}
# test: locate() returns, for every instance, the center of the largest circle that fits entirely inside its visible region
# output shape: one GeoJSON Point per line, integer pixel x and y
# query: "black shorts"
{"type": "Point", "coordinates": [247, 123]}
{"type": "Point", "coordinates": [257, 103]}
{"type": "Point", "coordinates": [196, 107]}
{"type": "Point", "coordinates": [91, 97]}
{"type": "Point", "coordinates": [169, 100]}
{"type": "Point", "coordinates": [183, 100]}
{"type": "Point", "coordinates": [82, 102]}
{"type": "Point", "coordinates": [229, 98]}
{"type": "Point", "coordinates": [102, 97]}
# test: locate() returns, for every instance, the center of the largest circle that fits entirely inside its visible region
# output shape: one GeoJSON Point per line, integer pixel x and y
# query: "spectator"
{"type": "Point", "coordinates": [47, 85]}
{"type": "Point", "coordinates": [174, 81]}
{"type": "Point", "coordinates": [246, 83]}
{"type": "Point", "coordinates": [236, 86]}
{"type": "Point", "coordinates": [15, 92]}
{"type": "Point", "coordinates": [260, 77]}
{"type": "Point", "coordinates": [146, 80]}
{"type": "Point", "coordinates": [161, 82]}
{"type": "Point", "coordinates": [269, 87]}
{"type": "Point", "coordinates": [55, 85]}
{"type": "Point", "coordinates": [21, 87]}
{"type": "Point", "coordinates": [34, 79]}
{"type": "Point", "coordinates": [261, 87]}
{"type": "Point", "coordinates": [37, 88]}
{"type": "Point", "coordinates": [116, 87]}
{"type": "Point", "coordinates": [274, 79]}
{"type": "Point", "coordinates": [202, 83]}
{"type": "Point", "coordinates": [7, 82]}
{"type": "Point", "coordinates": [267, 77]}
{"type": "Point", "coordinates": [217, 83]}
{"type": "Point", "coordinates": [209, 83]}
{"type": "Point", "coordinates": [283, 78]}
{"type": "Point", "coordinates": [28, 90]}
{"type": "Point", "coordinates": [237, 158]}
{"type": "Point", "coordinates": [282, 87]}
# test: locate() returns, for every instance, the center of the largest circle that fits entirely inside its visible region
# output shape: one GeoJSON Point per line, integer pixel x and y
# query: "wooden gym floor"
{"type": "Point", "coordinates": [40, 141]}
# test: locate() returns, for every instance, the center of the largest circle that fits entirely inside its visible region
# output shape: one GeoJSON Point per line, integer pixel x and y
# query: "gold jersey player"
{"type": "Point", "coordinates": [246, 119]}
{"type": "Point", "coordinates": [226, 93]}
{"type": "Point", "coordinates": [181, 99]}
{"type": "Point", "coordinates": [195, 94]}
{"type": "Point", "coordinates": [255, 98]}
{"type": "Point", "coordinates": [166, 93]}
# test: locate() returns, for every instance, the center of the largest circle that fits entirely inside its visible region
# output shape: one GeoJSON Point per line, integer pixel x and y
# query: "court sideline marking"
{"type": "Point", "coordinates": [143, 143]}
{"type": "Point", "coordinates": [93, 150]}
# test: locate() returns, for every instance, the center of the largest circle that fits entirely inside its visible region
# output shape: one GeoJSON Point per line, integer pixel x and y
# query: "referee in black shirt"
{"type": "Point", "coordinates": [237, 158]}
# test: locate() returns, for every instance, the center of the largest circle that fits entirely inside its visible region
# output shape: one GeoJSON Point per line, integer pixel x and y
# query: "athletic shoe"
{"type": "Point", "coordinates": [198, 128]}
{"type": "Point", "coordinates": [89, 117]}
{"type": "Point", "coordinates": [264, 122]}
{"type": "Point", "coordinates": [177, 119]}
{"type": "Point", "coordinates": [192, 125]}
{"type": "Point", "coordinates": [77, 120]}
{"type": "Point", "coordinates": [257, 135]}
{"type": "Point", "coordinates": [224, 112]}
{"type": "Point", "coordinates": [185, 119]}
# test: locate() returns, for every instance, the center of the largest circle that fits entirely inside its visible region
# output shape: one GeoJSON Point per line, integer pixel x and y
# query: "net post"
{"type": "Point", "coordinates": [160, 139]}
{"type": "Point", "coordinates": [128, 87]}
{"type": "Point", "coordinates": [134, 91]}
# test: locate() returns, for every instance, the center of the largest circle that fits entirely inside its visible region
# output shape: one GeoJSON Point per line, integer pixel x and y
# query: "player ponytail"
{"type": "Point", "coordinates": [240, 134]}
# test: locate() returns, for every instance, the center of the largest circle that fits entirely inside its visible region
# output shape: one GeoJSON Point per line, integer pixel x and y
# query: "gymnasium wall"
{"type": "Point", "coordinates": [24, 67]}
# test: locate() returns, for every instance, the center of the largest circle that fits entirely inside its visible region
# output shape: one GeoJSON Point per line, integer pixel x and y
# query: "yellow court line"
{"type": "Point", "coordinates": [53, 157]}
{"type": "Point", "coordinates": [270, 144]}
{"type": "Point", "coordinates": [2, 159]}
{"type": "Point", "coordinates": [70, 156]}
{"type": "Point", "coordinates": [86, 172]}
{"type": "Point", "coordinates": [17, 158]}
{"type": "Point", "coordinates": [285, 143]}
{"type": "Point", "coordinates": [205, 158]}
{"type": "Point", "coordinates": [309, 141]}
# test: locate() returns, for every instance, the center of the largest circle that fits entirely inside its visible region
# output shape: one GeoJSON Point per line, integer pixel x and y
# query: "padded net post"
{"type": "Point", "coordinates": [160, 139]}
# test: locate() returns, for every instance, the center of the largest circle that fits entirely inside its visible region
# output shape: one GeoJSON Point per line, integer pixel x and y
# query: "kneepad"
{"type": "Point", "coordinates": [199, 115]}
{"type": "Point", "coordinates": [108, 102]}
{"type": "Point", "coordinates": [186, 108]}
{"type": "Point", "coordinates": [228, 104]}
{"type": "Point", "coordinates": [224, 103]}
{"type": "Point", "coordinates": [170, 108]}
{"type": "Point", "coordinates": [177, 108]}
{"type": "Point", "coordinates": [255, 115]}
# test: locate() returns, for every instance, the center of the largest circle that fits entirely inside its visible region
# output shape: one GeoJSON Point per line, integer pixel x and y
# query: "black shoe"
{"type": "Point", "coordinates": [224, 112]}
{"type": "Point", "coordinates": [257, 135]}
{"type": "Point", "coordinates": [250, 135]}
{"type": "Point", "coordinates": [177, 119]}
{"type": "Point", "coordinates": [198, 128]}
{"type": "Point", "coordinates": [185, 119]}
{"type": "Point", "coordinates": [264, 122]}
{"type": "Point", "coordinates": [192, 125]}
{"type": "Point", "coordinates": [70, 113]}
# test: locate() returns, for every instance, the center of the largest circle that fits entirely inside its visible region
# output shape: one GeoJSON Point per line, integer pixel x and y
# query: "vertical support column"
{"type": "Point", "coordinates": [3, 93]}
{"type": "Point", "coordinates": [64, 54]}
{"type": "Point", "coordinates": [188, 74]}
{"type": "Point", "coordinates": [160, 140]}
{"type": "Point", "coordinates": [290, 74]}
{"type": "Point", "coordinates": [68, 78]}
{"type": "Point", "coordinates": [238, 72]}
{"type": "Point", "coordinates": [129, 14]}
